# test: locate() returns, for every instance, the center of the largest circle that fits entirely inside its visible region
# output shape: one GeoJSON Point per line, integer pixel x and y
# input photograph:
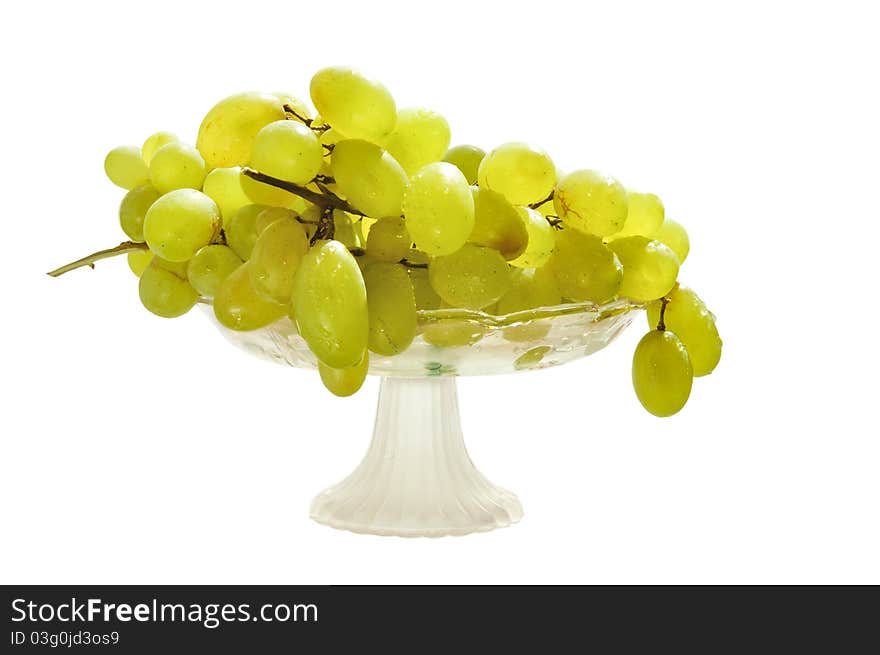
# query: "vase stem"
{"type": "Point", "coordinates": [417, 479]}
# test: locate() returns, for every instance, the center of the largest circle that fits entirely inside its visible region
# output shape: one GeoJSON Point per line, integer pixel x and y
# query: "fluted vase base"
{"type": "Point", "coordinates": [417, 479]}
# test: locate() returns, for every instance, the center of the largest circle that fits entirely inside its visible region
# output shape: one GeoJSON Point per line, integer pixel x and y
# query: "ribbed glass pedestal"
{"type": "Point", "coordinates": [417, 479]}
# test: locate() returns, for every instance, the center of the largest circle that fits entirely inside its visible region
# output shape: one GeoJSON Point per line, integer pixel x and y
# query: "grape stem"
{"type": "Point", "coordinates": [661, 323]}
{"type": "Point", "coordinates": [324, 199]}
{"type": "Point", "coordinates": [308, 122]}
{"type": "Point", "coordinates": [89, 260]}
{"type": "Point", "coordinates": [535, 205]}
{"type": "Point", "coordinates": [410, 264]}
{"type": "Point", "coordinates": [326, 226]}
{"type": "Point", "coordinates": [554, 221]}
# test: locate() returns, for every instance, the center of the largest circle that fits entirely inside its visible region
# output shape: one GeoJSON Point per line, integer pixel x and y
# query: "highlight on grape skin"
{"type": "Point", "coordinates": [363, 225]}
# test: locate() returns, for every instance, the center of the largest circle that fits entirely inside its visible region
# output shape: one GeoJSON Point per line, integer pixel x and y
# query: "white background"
{"type": "Point", "coordinates": [140, 450]}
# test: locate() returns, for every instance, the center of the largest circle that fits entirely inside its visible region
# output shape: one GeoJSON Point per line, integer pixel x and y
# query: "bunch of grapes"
{"type": "Point", "coordinates": [352, 219]}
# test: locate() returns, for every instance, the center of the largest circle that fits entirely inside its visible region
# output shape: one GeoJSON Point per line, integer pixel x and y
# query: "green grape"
{"type": "Point", "coordinates": [420, 137]}
{"type": "Point", "coordinates": [344, 230]}
{"type": "Point", "coordinates": [238, 307]}
{"type": "Point", "coordinates": [497, 224]}
{"type": "Point", "coordinates": [138, 260]}
{"type": "Point", "coordinates": [687, 316]}
{"type": "Point", "coordinates": [177, 165]}
{"type": "Point", "coordinates": [530, 288]}
{"type": "Point", "coordinates": [133, 210]}
{"type": "Point", "coordinates": [228, 130]}
{"type": "Point", "coordinates": [209, 267]}
{"type": "Point", "coordinates": [439, 209]}
{"type": "Point", "coordinates": [388, 239]}
{"type": "Point", "coordinates": [466, 159]}
{"type": "Point", "coordinates": [269, 215]}
{"type": "Point", "coordinates": [241, 232]}
{"type": "Point", "coordinates": [276, 257]}
{"type": "Point", "coordinates": [344, 382]}
{"type": "Point", "coordinates": [154, 142]}
{"type": "Point", "coordinates": [591, 202]}
{"type": "Point", "coordinates": [126, 168]}
{"type": "Point", "coordinates": [391, 306]}
{"type": "Point", "coordinates": [542, 240]}
{"type": "Point", "coordinates": [223, 186]}
{"type": "Point", "coordinates": [354, 104]}
{"type": "Point", "coordinates": [644, 215]}
{"type": "Point", "coordinates": [520, 172]}
{"type": "Point", "coordinates": [650, 268]}
{"type": "Point", "coordinates": [164, 289]}
{"type": "Point", "coordinates": [473, 277]}
{"type": "Point", "coordinates": [287, 150]}
{"type": "Point", "coordinates": [674, 236]}
{"type": "Point", "coordinates": [452, 333]}
{"type": "Point", "coordinates": [330, 305]}
{"type": "Point", "coordinates": [425, 296]}
{"type": "Point", "coordinates": [661, 373]}
{"type": "Point", "coordinates": [368, 177]}
{"type": "Point", "coordinates": [181, 222]}
{"type": "Point", "coordinates": [584, 268]}
{"type": "Point", "coordinates": [297, 104]}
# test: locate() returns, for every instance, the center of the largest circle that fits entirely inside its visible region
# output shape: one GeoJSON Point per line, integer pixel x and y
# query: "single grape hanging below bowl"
{"type": "Point", "coordinates": [353, 240]}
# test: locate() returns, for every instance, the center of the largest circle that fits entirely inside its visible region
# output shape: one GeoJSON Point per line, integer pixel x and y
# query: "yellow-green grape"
{"type": "Point", "coordinates": [439, 209]}
{"type": "Point", "coordinates": [138, 260]}
{"type": "Point", "coordinates": [228, 130]}
{"type": "Point", "coordinates": [644, 216]}
{"type": "Point", "coordinates": [530, 288]}
{"type": "Point", "coordinates": [542, 240]}
{"type": "Point", "coordinates": [126, 168]}
{"type": "Point", "coordinates": [287, 150]}
{"type": "Point", "coordinates": [133, 210]}
{"type": "Point", "coordinates": [650, 268]}
{"type": "Point", "coordinates": [164, 289]}
{"type": "Point", "coordinates": [420, 137]}
{"type": "Point", "coordinates": [497, 224]}
{"type": "Point", "coordinates": [344, 382]}
{"type": "Point", "coordinates": [520, 172]}
{"type": "Point", "coordinates": [451, 333]}
{"type": "Point", "coordinates": [369, 177]}
{"type": "Point", "coordinates": [330, 305]}
{"type": "Point", "coordinates": [295, 103]}
{"type": "Point", "coordinates": [425, 296]}
{"type": "Point", "coordinates": [389, 240]}
{"type": "Point", "coordinates": [584, 268]}
{"type": "Point", "coordinates": [177, 165]}
{"type": "Point", "coordinates": [687, 316]}
{"type": "Point", "coordinates": [269, 215]}
{"type": "Point", "coordinates": [591, 202]}
{"type": "Point", "coordinates": [467, 159]}
{"type": "Point", "coordinates": [661, 373]}
{"type": "Point", "coordinates": [209, 267]}
{"type": "Point", "coordinates": [356, 105]}
{"type": "Point", "coordinates": [392, 308]}
{"type": "Point", "coordinates": [275, 258]}
{"type": "Point", "coordinates": [473, 277]}
{"type": "Point", "coordinates": [223, 186]}
{"type": "Point", "coordinates": [154, 142]}
{"type": "Point", "coordinates": [238, 307]}
{"type": "Point", "coordinates": [344, 230]}
{"type": "Point", "coordinates": [181, 222]}
{"type": "Point", "coordinates": [241, 232]}
{"type": "Point", "coordinates": [676, 237]}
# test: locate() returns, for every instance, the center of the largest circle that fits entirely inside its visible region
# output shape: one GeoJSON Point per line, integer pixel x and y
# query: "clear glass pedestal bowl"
{"type": "Point", "coordinates": [417, 479]}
